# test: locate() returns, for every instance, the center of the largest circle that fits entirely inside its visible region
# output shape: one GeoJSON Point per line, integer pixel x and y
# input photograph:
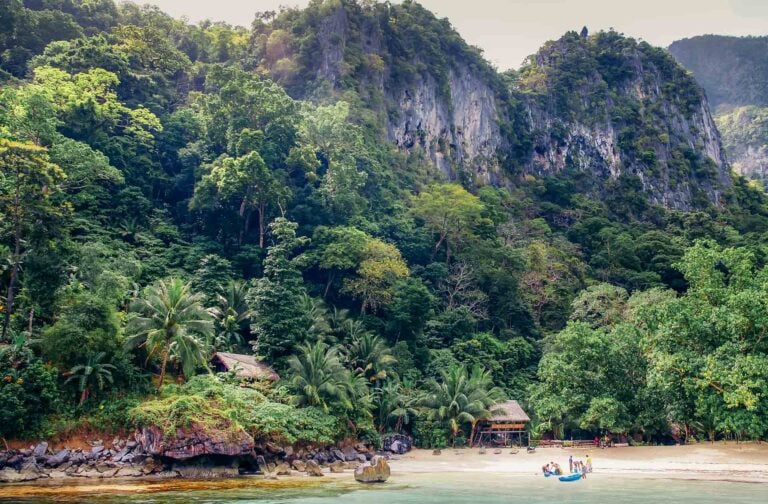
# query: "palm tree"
{"type": "Point", "coordinates": [461, 398]}
{"type": "Point", "coordinates": [93, 373]}
{"type": "Point", "coordinates": [171, 323]}
{"type": "Point", "coordinates": [319, 379]}
{"type": "Point", "coordinates": [316, 313]}
{"type": "Point", "coordinates": [232, 315]}
{"type": "Point", "coordinates": [396, 403]}
{"type": "Point", "coordinates": [370, 356]}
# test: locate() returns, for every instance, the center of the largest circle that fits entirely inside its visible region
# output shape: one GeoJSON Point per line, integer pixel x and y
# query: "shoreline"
{"type": "Point", "coordinates": [744, 463]}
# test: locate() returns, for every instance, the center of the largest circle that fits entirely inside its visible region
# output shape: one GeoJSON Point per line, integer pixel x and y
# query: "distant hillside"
{"type": "Point", "coordinates": [734, 72]}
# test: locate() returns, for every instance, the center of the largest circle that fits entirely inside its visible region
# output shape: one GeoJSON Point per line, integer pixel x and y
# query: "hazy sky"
{"type": "Point", "coordinates": [510, 30]}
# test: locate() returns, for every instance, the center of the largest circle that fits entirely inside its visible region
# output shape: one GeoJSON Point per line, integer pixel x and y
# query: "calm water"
{"type": "Point", "coordinates": [474, 488]}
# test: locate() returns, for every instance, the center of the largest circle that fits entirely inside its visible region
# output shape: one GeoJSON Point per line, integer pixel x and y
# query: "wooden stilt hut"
{"type": "Point", "coordinates": [505, 428]}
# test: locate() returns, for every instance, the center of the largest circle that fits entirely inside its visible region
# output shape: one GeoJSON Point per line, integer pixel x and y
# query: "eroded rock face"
{"type": "Point", "coordinates": [194, 442]}
{"type": "Point", "coordinates": [376, 472]}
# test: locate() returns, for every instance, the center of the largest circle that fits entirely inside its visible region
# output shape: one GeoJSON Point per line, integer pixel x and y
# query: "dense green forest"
{"type": "Point", "coordinates": [170, 190]}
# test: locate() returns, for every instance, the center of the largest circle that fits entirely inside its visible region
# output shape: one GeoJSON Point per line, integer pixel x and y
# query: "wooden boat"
{"type": "Point", "coordinates": [570, 477]}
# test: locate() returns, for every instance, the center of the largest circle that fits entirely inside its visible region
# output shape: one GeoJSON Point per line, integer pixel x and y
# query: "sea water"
{"type": "Point", "coordinates": [459, 488]}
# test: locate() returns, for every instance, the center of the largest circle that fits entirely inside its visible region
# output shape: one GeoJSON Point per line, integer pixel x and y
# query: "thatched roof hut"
{"type": "Point", "coordinates": [509, 412]}
{"type": "Point", "coordinates": [245, 366]}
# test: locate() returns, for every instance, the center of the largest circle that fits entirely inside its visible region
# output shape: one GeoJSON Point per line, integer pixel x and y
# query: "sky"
{"type": "Point", "coordinates": [510, 30]}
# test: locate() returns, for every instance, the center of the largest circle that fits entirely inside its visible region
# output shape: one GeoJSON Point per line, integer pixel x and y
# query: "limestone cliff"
{"type": "Point", "coordinates": [604, 104]}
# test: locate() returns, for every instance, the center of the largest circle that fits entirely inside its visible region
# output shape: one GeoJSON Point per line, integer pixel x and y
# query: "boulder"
{"type": "Point", "coordinates": [337, 466]}
{"type": "Point", "coordinates": [58, 459]}
{"type": "Point", "coordinates": [283, 469]}
{"type": "Point", "coordinates": [351, 454]}
{"type": "Point", "coordinates": [96, 450]}
{"type": "Point", "coordinates": [129, 472]}
{"type": "Point", "coordinates": [338, 454]}
{"type": "Point", "coordinates": [299, 465]}
{"type": "Point", "coordinates": [313, 468]}
{"type": "Point", "coordinates": [376, 472]}
{"type": "Point", "coordinates": [437, 452]}
{"type": "Point", "coordinates": [9, 475]}
{"type": "Point", "coordinates": [40, 450]}
{"type": "Point", "coordinates": [195, 441]}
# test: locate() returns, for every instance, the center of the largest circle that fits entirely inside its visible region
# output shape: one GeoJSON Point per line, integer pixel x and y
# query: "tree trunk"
{"type": "Point", "coordinates": [9, 298]}
{"type": "Point", "coordinates": [84, 396]}
{"type": "Point", "coordinates": [162, 369]}
{"type": "Point", "coordinates": [262, 230]}
{"type": "Point", "coordinates": [472, 435]}
{"type": "Point", "coordinates": [328, 284]}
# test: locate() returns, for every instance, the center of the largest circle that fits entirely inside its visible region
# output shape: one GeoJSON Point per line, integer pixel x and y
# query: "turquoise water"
{"type": "Point", "coordinates": [460, 488]}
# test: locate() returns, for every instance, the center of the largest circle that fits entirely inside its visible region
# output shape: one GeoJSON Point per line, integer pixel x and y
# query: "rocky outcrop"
{"type": "Point", "coordinates": [607, 106]}
{"type": "Point", "coordinates": [376, 472]}
{"type": "Point", "coordinates": [195, 441]}
{"type": "Point", "coordinates": [641, 117]}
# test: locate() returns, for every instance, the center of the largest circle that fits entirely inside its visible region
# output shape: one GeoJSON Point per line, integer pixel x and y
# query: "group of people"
{"type": "Point", "coordinates": [577, 466]}
{"type": "Point", "coordinates": [574, 466]}
{"type": "Point", "coordinates": [552, 468]}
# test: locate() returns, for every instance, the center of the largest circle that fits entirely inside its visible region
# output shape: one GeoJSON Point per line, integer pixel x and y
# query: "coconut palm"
{"type": "Point", "coordinates": [171, 323]}
{"type": "Point", "coordinates": [370, 356]}
{"type": "Point", "coordinates": [93, 374]}
{"type": "Point", "coordinates": [461, 397]}
{"type": "Point", "coordinates": [232, 315]}
{"type": "Point", "coordinates": [318, 377]}
{"type": "Point", "coordinates": [395, 403]}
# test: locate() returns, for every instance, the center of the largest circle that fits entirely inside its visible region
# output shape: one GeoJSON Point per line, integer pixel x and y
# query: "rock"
{"type": "Point", "coordinates": [9, 475]}
{"type": "Point", "coordinates": [61, 457]}
{"type": "Point", "coordinates": [270, 467]}
{"type": "Point", "coordinates": [270, 476]}
{"type": "Point", "coordinates": [151, 466]}
{"type": "Point", "coordinates": [40, 449]}
{"type": "Point", "coordinates": [395, 447]}
{"type": "Point", "coordinates": [30, 466]}
{"type": "Point", "coordinates": [437, 452]}
{"type": "Point", "coordinates": [299, 465]}
{"type": "Point", "coordinates": [321, 458]}
{"type": "Point", "coordinates": [129, 472]}
{"type": "Point", "coordinates": [337, 466]}
{"type": "Point", "coordinates": [497, 452]}
{"type": "Point", "coordinates": [288, 450]}
{"type": "Point", "coordinates": [274, 449]}
{"type": "Point", "coordinates": [376, 472]}
{"type": "Point", "coordinates": [96, 450]}
{"type": "Point", "coordinates": [131, 444]}
{"type": "Point", "coordinates": [313, 468]}
{"type": "Point", "coordinates": [195, 441]}
{"type": "Point", "coordinates": [338, 454]}
{"type": "Point", "coordinates": [283, 469]}
{"type": "Point", "coordinates": [205, 471]}
{"type": "Point", "coordinates": [482, 450]}
{"type": "Point", "coordinates": [350, 454]}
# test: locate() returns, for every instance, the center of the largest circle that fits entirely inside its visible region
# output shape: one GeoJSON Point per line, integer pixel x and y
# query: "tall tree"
{"type": "Point", "coordinates": [279, 322]}
{"type": "Point", "coordinates": [450, 212]}
{"type": "Point", "coordinates": [28, 180]}
{"type": "Point", "coordinates": [171, 323]}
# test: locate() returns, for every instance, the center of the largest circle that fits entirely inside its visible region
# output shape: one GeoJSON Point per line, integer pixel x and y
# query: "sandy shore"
{"type": "Point", "coordinates": [721, 462]}
{"type": "Point", "coordinates": [726, 462]}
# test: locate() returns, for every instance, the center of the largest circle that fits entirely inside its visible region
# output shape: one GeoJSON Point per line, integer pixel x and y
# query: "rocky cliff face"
{"type": "Point", "coordinates": [614, 108]}
{"type": "Point", "coordinates": [603, 104]}
{"type": "Point", "coordinates": [458, 130]}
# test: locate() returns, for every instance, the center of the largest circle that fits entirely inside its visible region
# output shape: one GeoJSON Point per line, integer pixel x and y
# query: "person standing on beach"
{"type": "Point", "coordinates": [589, 463]}
{"type": "Point", "coordinates": [570, 463]}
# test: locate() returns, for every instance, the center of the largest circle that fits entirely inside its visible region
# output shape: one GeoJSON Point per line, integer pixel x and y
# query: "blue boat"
{"type": "Point", "coordinates": [570, 477]}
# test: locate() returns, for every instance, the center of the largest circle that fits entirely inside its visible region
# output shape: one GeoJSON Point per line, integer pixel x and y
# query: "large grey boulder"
{"type": "Point", "coordinates": [375, 472]}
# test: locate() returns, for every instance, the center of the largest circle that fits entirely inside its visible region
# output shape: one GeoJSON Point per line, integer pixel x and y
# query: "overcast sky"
{"type": "Point", "coordinates": [510, 30]}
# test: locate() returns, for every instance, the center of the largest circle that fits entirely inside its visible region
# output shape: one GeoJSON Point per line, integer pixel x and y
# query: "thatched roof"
{"type": "Point", "coordinates": [246, 365]}
{"type": "Point", "coordinates": [509, 411]}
